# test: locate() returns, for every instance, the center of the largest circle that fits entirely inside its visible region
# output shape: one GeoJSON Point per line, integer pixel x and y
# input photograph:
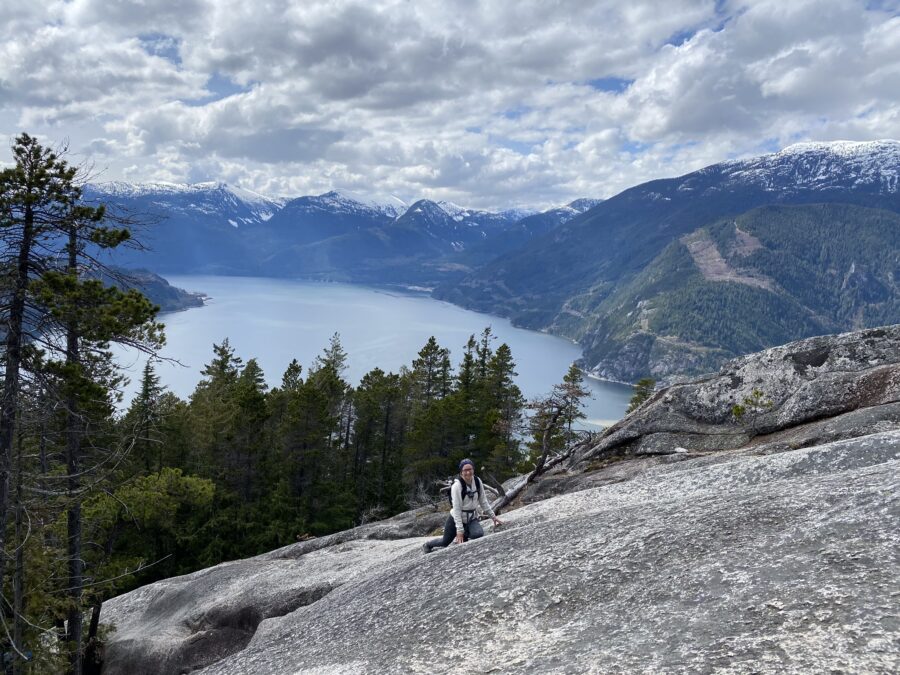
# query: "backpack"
{"type": "Point", "coordinates": [478, 488]}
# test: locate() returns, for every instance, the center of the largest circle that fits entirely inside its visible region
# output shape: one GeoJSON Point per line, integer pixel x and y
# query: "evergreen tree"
{"type": "Point", "coordinates": [553, 417]}
{"type": "Point", "coordinates": [464, 403]}
{"type": "Point", "coordinates": [642, 391]}
{"type": "Point", "coordinates": [212, 412]}
{"type": "Point", "coordinates": [431, 416]}
{"type": "Point", "coordinates": [331, 502]}
{"type": "Point", "coordinates": [249, 438]}
{"type": "Point", "coordinates": [378, 438]}
{"type": "Point", "coordinates": [88, 316]}
{"type": "Point", "coordinates": [36, 195]}
{"type": "Point", "coordinates": [143, 421]}
{"type": "Point", "coordinates": [502, 402]}
{"type": "Point", "coordinates": [75, 318]}
{"type": "Point", "coordinates": [292, 378]}
{"type": "Point", "coordinates": [575, 393]}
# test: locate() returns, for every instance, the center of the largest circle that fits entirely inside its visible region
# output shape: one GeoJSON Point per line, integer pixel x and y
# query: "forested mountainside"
{"type": "Point", "coordinates": [741, 284]}
{"type": "Point", "coordinates": [590, 265]}
{"type": "Point", "coordinates": [156, 289]}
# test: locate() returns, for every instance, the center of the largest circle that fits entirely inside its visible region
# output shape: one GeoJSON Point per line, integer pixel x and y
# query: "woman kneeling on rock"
{"type": "Point", "coordinates": [466, 495]}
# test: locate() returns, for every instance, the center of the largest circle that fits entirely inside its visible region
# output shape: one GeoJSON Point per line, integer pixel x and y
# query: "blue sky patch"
{"type": "Point", "coordinates": [517, 112]}
{"type": "Point", "coordinates": [616, 85]}
{"type": "Point", "coordinates": [889, 6]}
{"type": "Point", "coordinates": [682, 36]}
{"type": "Point", "coordinates": [516, 146]}
{"type": "Point", "coordinates": [634, 147]}
{"type": "Point", "coordinates": [162, 45]}
{"type": "Point", "coordinates": [770, 145]}
{"type": "Point", "coordinates": [219, 87]}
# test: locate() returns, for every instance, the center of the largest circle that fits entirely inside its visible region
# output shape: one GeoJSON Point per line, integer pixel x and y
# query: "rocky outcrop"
{"type": "Point", "coordinates": [700, 543]}
{"type": "Point", "coordinates": [762, 394]}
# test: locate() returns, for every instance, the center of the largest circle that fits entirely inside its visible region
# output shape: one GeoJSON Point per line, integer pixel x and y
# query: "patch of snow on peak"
{"type": "Point", "coordinates": [517, 213]}
{"type": "Point", "coordinates": [122, 188]}
{"type": "Point", "coordinates": [820, 165]}
{"type": "Point", "coordinates": [847, 149]}
{"type": "Point", "coordinates": [251, 197]}
{"type": "Point", "coordinates": [455, 211]}
{"type": "Point", "coordinates": [388, 204]}
{"type": "Point", "coordinates": [209, 197]}
{"type": "Point", "coordinates": [583, 204]}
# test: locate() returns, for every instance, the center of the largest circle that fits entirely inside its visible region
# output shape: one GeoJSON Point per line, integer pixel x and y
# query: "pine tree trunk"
{"type": "Point", "coordinates": [384, 445]}
{"type": "Point", "coordinates": [76, 565]}
{"type": "Point", "coordinates": [11, 382]}
{"type": "Point", "coordinates": [73, 468]}
{"type": "Point", "coordinates": [19, 573]}
{"type": "Point", "coordinates": [93, 658]}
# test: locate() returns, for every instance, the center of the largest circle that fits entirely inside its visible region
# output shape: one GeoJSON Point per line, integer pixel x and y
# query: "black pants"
{"type": "Point", "coordinates": [471, 530]}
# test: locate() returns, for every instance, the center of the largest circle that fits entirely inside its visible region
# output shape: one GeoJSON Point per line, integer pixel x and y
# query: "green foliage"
{"type": "Point", "coordinates": [151, 520]}
{"type": "Point", "coordinates": [754, 402]}
{"type": "Point", "coordinates": [735, 316]}
{"type": "Point", "coordinates": [642, 391]}
{"type": "Point", "coordinates": [553, 419]}
{"type": "Point", "coordinates": [835, 259]}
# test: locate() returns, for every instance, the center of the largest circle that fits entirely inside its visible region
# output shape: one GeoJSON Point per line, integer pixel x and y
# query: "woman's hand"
{"type": "Point", "coordinates": [459, 538]}
{"type": "Point", "coordinates": [496, 520]}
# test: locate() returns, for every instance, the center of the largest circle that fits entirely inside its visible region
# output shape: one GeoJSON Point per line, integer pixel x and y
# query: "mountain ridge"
{"type": "Point", "coordinates": [562, 270]}
{"type": "Point", "coordinates": [586, 259]}
{"type": "Point", "coordinates": [214, 228]}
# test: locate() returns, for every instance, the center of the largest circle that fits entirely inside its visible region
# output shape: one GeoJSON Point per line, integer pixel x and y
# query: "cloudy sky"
{"type": "Point", "coordinates": [488, 103]}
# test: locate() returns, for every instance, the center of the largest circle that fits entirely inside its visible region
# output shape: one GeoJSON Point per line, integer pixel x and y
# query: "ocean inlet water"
{"type": "Point", "coordinates": [276, 320]}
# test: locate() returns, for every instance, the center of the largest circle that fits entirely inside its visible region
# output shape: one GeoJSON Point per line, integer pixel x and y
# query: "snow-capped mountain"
{"type": "Point", "coordinates": [309, 219]}
{"type": "Point", "coordinates": [218, 228]}
{"type": "Point", "coordinates": [452, 227]}
{"type": "Point", "coordinates": [238, 206]}
{"type": "Point", "coordinates": [525, 229]}
{"type": "Point", "coordinates": [871, 166]}
{"type": "Point", "coordinates": [344, 201]}
{"type": "Point", "coordinates": [200, 228]}
{"type": "Point", "coordinates": [579, 206]}
{"type": "Point", "coordinates": [481, 218]}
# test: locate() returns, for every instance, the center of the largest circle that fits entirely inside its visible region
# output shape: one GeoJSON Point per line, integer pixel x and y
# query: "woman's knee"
{"type": "Point", "coordinates": [475, 531]}
{"type": "Point", "coordinates": [449, 531]}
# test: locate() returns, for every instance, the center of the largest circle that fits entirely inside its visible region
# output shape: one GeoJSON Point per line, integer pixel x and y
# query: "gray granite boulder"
{"type": "Point", "coordinates": [761, 394]}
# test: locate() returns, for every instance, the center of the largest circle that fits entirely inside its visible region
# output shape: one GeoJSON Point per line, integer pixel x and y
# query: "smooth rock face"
{"type": "Point", "coordinates": [773, 564]}
{"type": "Point", "coordinates": [187, 622]}
{"type": "Point", "coordinates": [774, 551]}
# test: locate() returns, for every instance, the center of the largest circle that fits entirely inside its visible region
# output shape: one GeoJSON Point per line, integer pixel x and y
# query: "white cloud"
{"type": "Point", "coordinates": [490, 104]}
